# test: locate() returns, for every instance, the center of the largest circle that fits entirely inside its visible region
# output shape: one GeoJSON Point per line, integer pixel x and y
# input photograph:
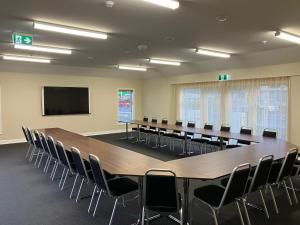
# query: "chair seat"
{"type": "Point", "coordinates": [201, 140]}
{"type": "Point", "coordinates": [232, 146]}
{"type": "Point", "coordinates": [134, 129]}
{"type": "Point", "coordinates": [171, 135]}
{"type": "Point", "coordinates": [216, 143]}
{"type": "Point", "coordinates": [212, 194]}
{"type": "Point", "coordinates": [152, 132]}
{"type": "Point", "coordinates": [244, 142]}
{"type": "Point", "coordinates": [224, 183]}
{"type": "Point", "coordinates": [37, 144]}
{"type": "Point", "coordinates": [183, 138]}
{"type": "Point", "coordinates": [166, 209]}
{"type": "Point", "coordinates": [122, 186]}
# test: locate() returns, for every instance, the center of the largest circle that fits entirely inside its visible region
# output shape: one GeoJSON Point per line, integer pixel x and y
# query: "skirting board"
{"type": "Point", "coordinates": [22, 140]}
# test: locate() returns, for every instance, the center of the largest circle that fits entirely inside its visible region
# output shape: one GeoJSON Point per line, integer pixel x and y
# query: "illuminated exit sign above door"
{"type": "Point", "coordinates": [223, 77]}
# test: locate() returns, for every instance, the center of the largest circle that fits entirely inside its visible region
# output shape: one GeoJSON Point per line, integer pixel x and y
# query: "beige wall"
{"type": "Point", "coordinates": [158, 100]}
{"type": "Point", "coordinates": [21, 102]}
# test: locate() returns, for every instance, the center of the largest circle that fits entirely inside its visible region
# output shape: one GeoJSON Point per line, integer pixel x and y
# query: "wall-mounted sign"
{"type": "Point", "coordinates": [22, 39]}
{"type": "Point", "coordinates": [223, 77]}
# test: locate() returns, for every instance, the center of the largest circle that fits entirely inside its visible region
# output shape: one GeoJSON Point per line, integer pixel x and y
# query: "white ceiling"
{"type": "Point", "coordinates": [134, 22]}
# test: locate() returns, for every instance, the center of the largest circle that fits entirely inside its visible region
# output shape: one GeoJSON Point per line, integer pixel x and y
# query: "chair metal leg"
{"type": "Point", "coordinates": [74, 185]}
{"type": "Point", "coordinates": [215, 216]}
{"type": "Point", "coordinates": [62, 187]}
{"type": "Point", "coordinates": [246, 211]}
{"type": "Point", "coordinates": [92, 199]}
{"type": "Point", "coordinates": [113, 212]}
{"type": "Point", "coordinates": [42, 156]}
{"type": "Point", "coordinates": [287, 192]}
{"type": "Point", "coordinates": [181, 216]}
{"type": "Point", "coordinates": [62, 177]}
{"type": "Point", "coordinates": [53, 169]}
{"type": "Point", "coordinates": [143, 216]}
{"type": "Point", "coordinates": [57, 164]}
{"type": "Point", "coordinates": [96, 206]}
{"type": "Point", "coordinates": [240, 212]}
{"type": "Point", "coordinates": [264, 204]}
{"type": "Point", "coordinates": [37, 157]}
{"type": "Point", "coordinates": [48, 165]}
{"type": "Point", "coordinates": [273, 198]}
{"type": "Point", "coordinates": [79, 190]}
{"type": "Point", "coordinates": [32, 154]}
{"type": "Point", "coordinates": [293, 190]}
{"type": "Point", "coordinates": [28, 150]}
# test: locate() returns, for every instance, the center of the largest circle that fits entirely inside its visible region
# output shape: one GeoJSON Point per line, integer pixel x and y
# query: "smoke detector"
{"type": "Point", "coordinates": [109, 4]}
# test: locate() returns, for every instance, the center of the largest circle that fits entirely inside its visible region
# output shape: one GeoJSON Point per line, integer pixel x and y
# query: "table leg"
{"type": "Point", "coordinates": [140, 183]}
{"type": "Point", "coordinates": [186, 213]}
{"type": "Point", "coordinates": [221, 143]}
{"type": "Point", "coordinates": [158, 140]}
{"type": "Point", "coordinates": [127, 131]}
{"type": "Point", "coordinates": [185, 144]}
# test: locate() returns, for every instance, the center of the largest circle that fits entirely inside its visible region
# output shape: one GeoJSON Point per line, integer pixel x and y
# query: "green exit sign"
{"type": "Point", "coordinates": [22, 39]}
{"type": "Point", "coordinates": [223, 77]}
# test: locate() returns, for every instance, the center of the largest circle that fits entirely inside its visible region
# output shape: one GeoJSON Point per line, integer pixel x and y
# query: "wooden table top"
{"type": "Point", "coordinates": [120, 161]}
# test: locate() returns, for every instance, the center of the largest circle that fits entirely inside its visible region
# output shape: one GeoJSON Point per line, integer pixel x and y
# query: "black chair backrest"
{"type": "Point", "coordinates": [25, 134]}
{"type": "Point", "coordinates": [225, 128]}
{"type": "Point", "coordinates": [30, 137]}
{"type": "Point", "coordinates": [52, 147]}
{"type": "Point", "coordinates": [191, 124]}
{"type": "Point", "coordinates": [160, 191]}
{"type": "Point", "coordinates": [37, 138]}
{"type": "Point", "coordinates": [79, 164]}
{"type": "Point", "coordinates": [164, 122]}
{"type": "Point", "coordinates": [145, 119]}
{"type": "Point", "coordinates": [178, 124]}
{"type": "Point", "coordinates": [261, 174]}
{"type": "Point", "coordinates": [45, 143]}
{"type": "Point", "coordinates": [237, 183]}
{"type": "Point", "coordinates": [98, 173]}
{"type": "Point", "coordinates": [269, 133]}
{"type": "Point", "coordinates": [62, 154]}
{"type": "Point", "coordinates": [245, 130]}
{"type": "Point", "coordinates": [153, 120]}
{"type": "Point", "coordinates": [208, 126]}
{"type": "Point", "coordinates": [287, 165]}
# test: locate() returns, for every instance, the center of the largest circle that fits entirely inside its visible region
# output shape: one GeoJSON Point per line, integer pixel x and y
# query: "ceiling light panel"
{"type": "Point", "coordinates": [69, 30]}
{"type": "Point", "coordinates": [171, 4]}
{"type": "Point", "coordinates": [43, 49]}
{"type": "Point", "coordinates": [131, 67]}
{"type": "Point", "coordinates": [25, 59]}
{"type": "Point", "coordinates": [288, 37]}
{"type": "Point", "coordinates": [212, 53]}
{"type": "Point", "coordinates": [165, 62]}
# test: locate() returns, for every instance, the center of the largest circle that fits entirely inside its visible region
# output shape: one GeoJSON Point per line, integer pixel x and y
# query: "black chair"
{"type": "Point", "coordinates": [204, 139]}
{"type": "Point", "coordinates": [83, 170]}
{"type": "Point", "coordinates": [174, 134]}
{"type": "Point", "coordinates": [160, 194]}
{"type": "Point", "coordinates": [269, 133]}
{"type": "Point", "coordinates": [216, 196]}
{"type": "Point", "coordinates": [258, 182]}
{"type": "Point", "coordinates": [281, 172]}
{"type": "Point", "coordinates": [189, 136]}
{"type": "Point", "coordinates": [151, 132]}
{"type": "Point", "coordinates": [116, 188]}
{"type": "Point", "coordinates": [66, 161]}
{"type": "Point", "coordinates": [35, 147]}
{"type": "Point", "coordinates": [47, 150]}
{"type": "Point", "coordinates": [40, 148]}
{"type": "Point", "coordinates": [245, 131]}
{"type": "Point", "coordinates": [217, 142]}
{"type": "Point", "coordinates": [139, 130]}
{"type": "Point", "coordinates": [55, 158]}
{"type": "Point", "coordinates": [24, 130]}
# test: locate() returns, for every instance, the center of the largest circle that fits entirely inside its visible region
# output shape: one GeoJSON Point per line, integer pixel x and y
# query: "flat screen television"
{"type": "Point", "coordinates": [65, 100]}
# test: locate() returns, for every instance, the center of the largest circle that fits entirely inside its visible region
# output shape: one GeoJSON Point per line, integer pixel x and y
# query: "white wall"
{"type": "Point", "coordinates": [21, 102]}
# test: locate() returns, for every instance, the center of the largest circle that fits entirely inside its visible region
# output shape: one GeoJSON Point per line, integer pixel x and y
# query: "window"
{"type": "Point", "coordinates": [125, 105]}
{"type": "Point", "coordinates": [189, 105]}
{"type": "Point", "coordinates": [259, 104]}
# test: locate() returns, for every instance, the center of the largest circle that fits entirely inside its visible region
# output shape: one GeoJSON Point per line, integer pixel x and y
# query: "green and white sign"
{"type": "Point", "coordinates": [223, 77]}
{"type": "Point", "coordinates": [22, 39]}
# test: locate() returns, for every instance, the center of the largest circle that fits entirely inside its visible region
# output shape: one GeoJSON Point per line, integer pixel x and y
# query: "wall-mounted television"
{"type": "Point", "coordinates": [65, 100]}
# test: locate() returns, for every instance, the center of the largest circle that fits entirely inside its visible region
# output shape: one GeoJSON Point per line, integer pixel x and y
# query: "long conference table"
{"type": "Point", "coordinates": [124, 162]}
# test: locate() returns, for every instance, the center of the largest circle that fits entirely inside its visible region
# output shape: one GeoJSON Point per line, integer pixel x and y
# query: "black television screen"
{"type": "Point", "coordinates": [65, 100]}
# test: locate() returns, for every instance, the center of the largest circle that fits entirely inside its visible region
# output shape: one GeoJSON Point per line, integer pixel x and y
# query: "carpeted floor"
{"type": "Point", "coordinates": [28, 197]}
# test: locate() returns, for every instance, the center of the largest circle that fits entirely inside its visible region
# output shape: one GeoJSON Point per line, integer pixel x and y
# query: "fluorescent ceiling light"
{"type": "Point", "coordinates": [212, 53]}
{"type": "Point", "coordinates": [172, 4]}
{"type": "Point", "coordinates": [25, 59]}
{"type": "Point", "coordinates": [69, 30]}
{"type": "Point", "coordinates": [287, 37]}
{"type": "Point", "coordinates": [165, 62]}
{"type": "Point", "coordinates": [129, 67]}
{"type": "Point", "coordinates": [44, 49]}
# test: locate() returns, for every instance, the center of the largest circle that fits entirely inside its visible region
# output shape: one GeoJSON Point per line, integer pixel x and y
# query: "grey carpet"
{"type": "Point", "coordinates": [28, 197]}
